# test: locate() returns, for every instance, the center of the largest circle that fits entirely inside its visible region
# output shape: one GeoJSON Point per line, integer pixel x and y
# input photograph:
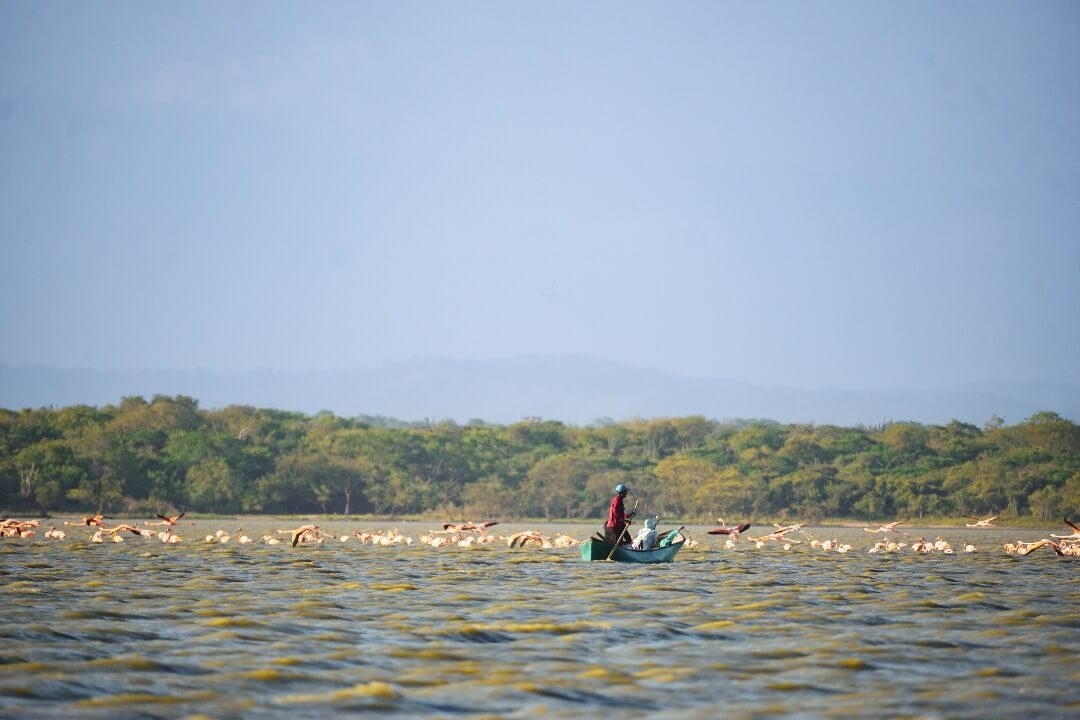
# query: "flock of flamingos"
{"type": "Point", "coordinates": [474, 534]}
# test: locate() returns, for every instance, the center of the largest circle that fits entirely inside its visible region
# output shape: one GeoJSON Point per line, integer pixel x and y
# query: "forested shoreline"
{"type": "Point", "coordinates": [145, 456]}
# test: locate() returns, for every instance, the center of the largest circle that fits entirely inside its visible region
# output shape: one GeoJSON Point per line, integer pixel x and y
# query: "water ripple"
{"type": "Point", "coordinates": [141, 629]}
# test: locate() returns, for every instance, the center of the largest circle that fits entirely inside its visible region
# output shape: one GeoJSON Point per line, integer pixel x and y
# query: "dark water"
{"type": "Point", "coordinates": [142, 629]}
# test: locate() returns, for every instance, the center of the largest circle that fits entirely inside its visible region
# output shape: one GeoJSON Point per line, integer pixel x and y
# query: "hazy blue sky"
{"type": "Point", "coordinates": [815, 194]}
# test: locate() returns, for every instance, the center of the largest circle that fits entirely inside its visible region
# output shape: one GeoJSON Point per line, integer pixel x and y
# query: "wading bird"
{"type": "Point", "coordinates": [304, 534]}
{"type": "Point", "coordinates": [17, 528]}
{"type": "Point", "coordinates": [1023, 548]}
{"type": "Point", "coordinates": [1066, 547]}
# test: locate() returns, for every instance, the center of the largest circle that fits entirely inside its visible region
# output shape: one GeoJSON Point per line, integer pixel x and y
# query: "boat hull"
{"type": "Point", "coordinates": [593, 549]}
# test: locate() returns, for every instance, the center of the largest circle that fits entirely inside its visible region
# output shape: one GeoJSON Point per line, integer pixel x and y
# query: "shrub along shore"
{"type": "Point", "coordinates": [141, 457]}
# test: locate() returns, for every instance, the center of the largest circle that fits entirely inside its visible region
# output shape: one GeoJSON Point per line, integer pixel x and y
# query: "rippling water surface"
{"type": "Point", "coordinates": [142, 629]}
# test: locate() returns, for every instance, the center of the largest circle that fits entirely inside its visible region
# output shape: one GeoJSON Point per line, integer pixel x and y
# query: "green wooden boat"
{"type": "Point", "coordinates": [593, 549]}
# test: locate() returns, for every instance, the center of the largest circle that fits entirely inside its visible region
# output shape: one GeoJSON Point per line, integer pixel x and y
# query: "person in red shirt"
{"type": "Point", "coordinates": [618, 518]}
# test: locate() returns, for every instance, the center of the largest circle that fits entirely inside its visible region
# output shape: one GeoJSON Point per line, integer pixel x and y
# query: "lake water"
{"type": "Point", "coordinates": [142, 629]}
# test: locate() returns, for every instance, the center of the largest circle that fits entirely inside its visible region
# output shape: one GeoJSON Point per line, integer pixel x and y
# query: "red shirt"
{"type": "Point", "coordinates": [616, 513]}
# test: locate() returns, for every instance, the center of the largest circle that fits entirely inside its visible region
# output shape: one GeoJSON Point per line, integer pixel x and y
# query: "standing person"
{"type": "Point", "coordinates": [618, 518]}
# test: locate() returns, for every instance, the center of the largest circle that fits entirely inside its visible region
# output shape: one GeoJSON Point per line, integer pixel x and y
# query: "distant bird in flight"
{"type": "Point", "coordinates": [987, 523]}
{"type": "Point", "coordinates": [887, 527]}
{"type": "Point", "coordinates": [725, 529]}
{"type": "Point", "coordinates": [169, 521]}
{"type": "Point", "coordinates": [93, 520]}
{"type": "Point", "coordinates": [1074, 536]}
{"type": "Point", "coordinates": [469, 527]}
{"type": "Point", "coordinates": [121, 528]}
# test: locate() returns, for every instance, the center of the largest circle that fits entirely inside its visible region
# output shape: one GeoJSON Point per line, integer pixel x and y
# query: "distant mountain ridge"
{"type": "Point", "coordinates": [572, 389]}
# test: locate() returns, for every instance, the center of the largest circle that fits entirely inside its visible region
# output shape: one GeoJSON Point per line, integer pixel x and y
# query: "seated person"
{"type": "Point", "coordinates": [673, 536]}
{"type": "Point", "coordinates": [646, 537]}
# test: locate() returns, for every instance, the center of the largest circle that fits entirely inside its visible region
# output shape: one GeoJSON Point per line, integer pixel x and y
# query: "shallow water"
{"type": "Point", "coordinates": [142, 629]}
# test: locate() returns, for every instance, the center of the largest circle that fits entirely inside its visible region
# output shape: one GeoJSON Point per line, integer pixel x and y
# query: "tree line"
{"type": "Point", "coordinates": [145, 456]}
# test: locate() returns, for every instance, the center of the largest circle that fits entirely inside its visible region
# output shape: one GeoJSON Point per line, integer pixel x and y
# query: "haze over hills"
{"type": "Point", "coordinates": [576, 390]}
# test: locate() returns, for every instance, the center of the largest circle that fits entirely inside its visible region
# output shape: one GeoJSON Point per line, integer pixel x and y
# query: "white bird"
{"type": "Point", "coordinates": [886, 528]}
{"type": "Point", "coordinates": [1075, 535]}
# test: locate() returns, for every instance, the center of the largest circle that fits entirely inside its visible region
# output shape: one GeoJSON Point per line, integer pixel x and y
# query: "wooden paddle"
{"type": "Point", "coordinates": [626, 527]}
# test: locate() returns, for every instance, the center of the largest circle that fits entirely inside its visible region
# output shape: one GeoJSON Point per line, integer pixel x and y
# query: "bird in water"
{"type": "Point", "coordinates": [304, 534]}
{"type": "Point", "coordinates": [18, 528]}
{"type": "Point", "coordinates": [168, 537]}
{"type": "Point", "coordinates": [1066, 547]}
{"type": "Point", "coordinates": [987, 523]}
{"type": "Point", "coordinates": [1023, 548]}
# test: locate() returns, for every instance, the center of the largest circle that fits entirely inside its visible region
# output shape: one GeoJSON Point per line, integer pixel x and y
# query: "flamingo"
{"type": "Point", "coordinates": [168, 537]}
{"type": "Point", "coordinates": [887, 527]}
{"type": "Point", "coordinates": [529, 536]}
{"type": "Point", "coordinates": [304, 534]}
{"type": "Point", "coordinates": [91, 521]}
{"type": "Point", "coordinates": [168, 521]}
{"type": "Point", "coordinates": [780, 532]}
{"type": "Point", "coordinates": [732, 531]}
{"type": "Point", "coordinates": [1075, 535]}
{"type": "Point", "coordinates": [121, 528]}
{"type": "Point", "coordinates": [1023, 548]}
{"type": "Point", "coordinates": [469, 527]}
